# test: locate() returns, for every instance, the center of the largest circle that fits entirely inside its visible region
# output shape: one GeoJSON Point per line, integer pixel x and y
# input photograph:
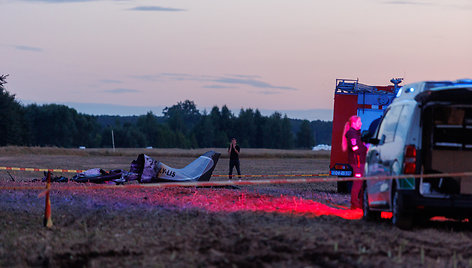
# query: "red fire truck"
{"type": "Point", "coordinates": [354, 98]}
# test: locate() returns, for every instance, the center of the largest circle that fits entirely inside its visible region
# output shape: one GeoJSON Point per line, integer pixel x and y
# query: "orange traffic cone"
{"type": "Point", "coordinates": [47, 213]}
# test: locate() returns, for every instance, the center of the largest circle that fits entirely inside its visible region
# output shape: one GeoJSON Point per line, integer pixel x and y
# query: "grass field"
{"type": "Point", "coordinates": [286, 225]}
{"type": "Point", "coordinates": [247, 153]}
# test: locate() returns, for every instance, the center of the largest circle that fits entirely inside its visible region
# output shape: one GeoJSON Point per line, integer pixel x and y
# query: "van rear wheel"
{"type": "Point", "coordinates": [400, 217]}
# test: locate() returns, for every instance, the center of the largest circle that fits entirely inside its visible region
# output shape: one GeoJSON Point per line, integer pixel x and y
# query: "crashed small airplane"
{"type": "Point", "coordinates": [150, 170]}
{"type": "Point", "coordinates": [147, 170]}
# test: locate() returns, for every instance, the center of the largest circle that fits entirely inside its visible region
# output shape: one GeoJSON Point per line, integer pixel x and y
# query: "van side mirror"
{"type": "Point", "coordinates": [382, 140]}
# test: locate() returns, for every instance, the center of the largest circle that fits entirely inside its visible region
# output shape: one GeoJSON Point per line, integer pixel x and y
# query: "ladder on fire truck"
{"type": "Point", "coordinates": [350, 86]}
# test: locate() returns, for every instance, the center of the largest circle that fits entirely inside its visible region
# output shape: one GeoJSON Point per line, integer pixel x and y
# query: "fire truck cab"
{"type": "Point", "coordinates": [353, 98]}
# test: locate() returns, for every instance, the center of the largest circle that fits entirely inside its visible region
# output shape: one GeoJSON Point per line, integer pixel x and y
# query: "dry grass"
{"type": "Point", "coordinates": [246, 153]}
{"type": "Point", "coordinates": [171, 228]}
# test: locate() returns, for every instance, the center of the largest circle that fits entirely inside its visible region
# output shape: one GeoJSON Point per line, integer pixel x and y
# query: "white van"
{"type": "Point", "coordinates": [426, 130]}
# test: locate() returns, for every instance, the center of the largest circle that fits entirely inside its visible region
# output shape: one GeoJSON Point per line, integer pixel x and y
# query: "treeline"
{"type": "Point", "coordinates": [182, 126]}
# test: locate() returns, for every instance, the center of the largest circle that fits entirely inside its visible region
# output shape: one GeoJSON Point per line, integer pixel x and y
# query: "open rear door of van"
{"type": "Point", "coordinates": [447, 140]}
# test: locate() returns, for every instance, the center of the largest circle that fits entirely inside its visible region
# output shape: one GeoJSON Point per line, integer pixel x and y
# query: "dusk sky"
{"type": "Point", "coordinates": [265, 54]}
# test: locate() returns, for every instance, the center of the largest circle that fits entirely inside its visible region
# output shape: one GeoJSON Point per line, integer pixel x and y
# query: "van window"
{"type": "Point", "coordinates": [389, 124]}
{"type": "Point", "coordinates": [404, 122]}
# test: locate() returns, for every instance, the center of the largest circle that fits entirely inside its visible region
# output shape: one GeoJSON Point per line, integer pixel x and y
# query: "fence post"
{"type": "Point", "coordinates": [47, 213]}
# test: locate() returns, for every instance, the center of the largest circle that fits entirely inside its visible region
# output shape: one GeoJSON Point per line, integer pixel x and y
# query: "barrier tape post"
{"type": "Point", "coordinates": [47, 212]}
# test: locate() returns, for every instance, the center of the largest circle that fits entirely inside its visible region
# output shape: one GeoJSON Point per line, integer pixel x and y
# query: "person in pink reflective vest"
{"type": "Point", "coordinates": [356, 151]}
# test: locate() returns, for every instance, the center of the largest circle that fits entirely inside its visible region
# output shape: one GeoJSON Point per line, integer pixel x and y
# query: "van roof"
{"type": "Point", "coordinates": [410, 91]}
{"type": "Point", "coordinates": [457, 93]}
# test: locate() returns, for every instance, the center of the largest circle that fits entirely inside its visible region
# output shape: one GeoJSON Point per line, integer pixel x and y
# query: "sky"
{"type": "Point", "coordinates": [131, 56]}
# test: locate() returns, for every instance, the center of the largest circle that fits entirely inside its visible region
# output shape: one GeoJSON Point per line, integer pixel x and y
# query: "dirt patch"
{"type": "Point", "coordinates": [292, 225]}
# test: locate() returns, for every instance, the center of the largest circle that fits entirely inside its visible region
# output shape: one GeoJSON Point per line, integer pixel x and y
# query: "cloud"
{"type": "Point", "coordinates": [111, 81]}
{"type": "Point", "coordinates": [245, 76]}
{"type": "Point", "coordinates": [156, 8]}
{"type": "Point", "coordinates": [217, 86]}
{"type": "Point", "coordinates": [28, 48]}
{"type": "Point", "coordinates": [217, 81]}
{"type": "Point", "coordinates": [443, 4]}
{"type": "Point", "coordinates": [250, 82]}
{"type": "Point", "coordinates": [265, 92]}
{"type": "Point", "coordinates": [407, 3]}
{"type": "Point", "coordinates": [59, 1]}
{"type": "Point", "coordinates": [121, 90]}
{"type": "Point", "coordinates": [181, 77]}
{"type": "Point", "coordinates": [146, 77]}
{"type": "Point", "coordinates": [171, 76]}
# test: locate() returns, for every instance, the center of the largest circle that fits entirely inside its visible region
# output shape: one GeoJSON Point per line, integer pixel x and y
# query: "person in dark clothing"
{"type": "Point", "coordinates": [356, 151]}
{"type": "Point", "coordinates": [233, 151]}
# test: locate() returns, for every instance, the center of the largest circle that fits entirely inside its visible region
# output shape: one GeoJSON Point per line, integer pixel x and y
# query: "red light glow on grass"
{"type": "Point", "coordinates": [224, 200]}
